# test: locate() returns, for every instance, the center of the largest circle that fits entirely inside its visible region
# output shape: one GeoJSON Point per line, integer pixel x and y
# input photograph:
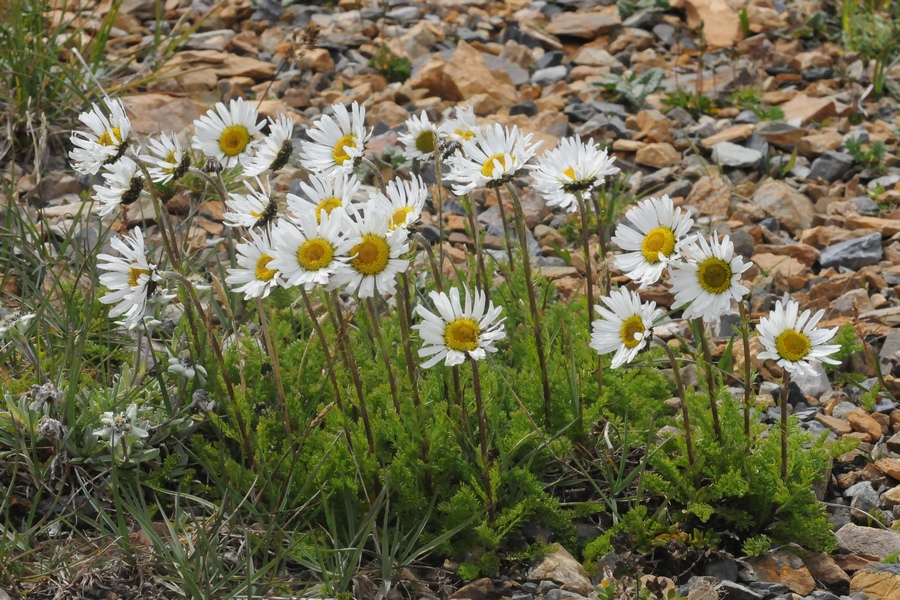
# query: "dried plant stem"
{"type": "Point", "coordinates": [509, 253]}
{"type": "Point", "coordinates": [272, 351]}
{"type": "Point", "coordinates": [537, 328]}
{"type": "Point", "coordinates": [679, 386]}
{"type": "Point", "coordinates": [745, 338]}
{"type": "Point", "coordinates": [784, 425]}
{"type": "Point", "coordinates": [481, 278]}
{"type": "Point", "coordinates": [710, 385]}
{"type": "Point", "coordinates": [404, 308]}
{"type": "Point", "coordinates": [439, 196]}
{"type": "Point", "coordinates": [379, 339]}
{"type": "Point", "coordinates": [482, 440]}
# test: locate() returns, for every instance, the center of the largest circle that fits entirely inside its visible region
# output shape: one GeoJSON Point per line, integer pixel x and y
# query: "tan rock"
{"type": "Point", "coordinates": [823, 568]}
{"type": "Point", "coordinates": [855, 561]}
{"type": "Point", "coordinates": [390, 112]}
{"type": "Point", "coordinates": [807, 109]}
{"type": "Point", "coordinates": [738, 133]}
{"type": "Point", "coordinates": [793, 210]}
{"type": "Point", "coordinates": [658, 155]}
{"type": "Point", "coordinates": [584, 24]}
{"type": "Point", "coordinates": [890, 467]}
{"type": "Point", "coordinates": [839, 426]}
{"type": "Point", "coordinates": [317, 59]}
{"type": "Point", "coordinates": [891, 497]}
{"type": "Point", "coordinates": [561, 567]}
{"type": "Point", "coordinates": [782, 267]}
{"type": "Point", "coordinates": [804, 253]}
{"type": "Point", "coordinates": [887, 227]}
{"type": "Point", "coordinates": [223, 64]}
{"type": "Point", "coordinates": [826, 235]}
{"type": "Point", "coordinates": [851, 301]}
{"type": "Point", "coordinates": [862, 422]}
{"type": "Point", "coordinates": [785, 568]}
{"type": "Point", "coordinates": [594, 56]}
{"type": "Point", "coordinates": [819, 143]}
{"type": "Point", "coordinates": [467, 75]}
{"type": "Point", "coordinates": [154, 113]}
{"type": "Point", "coordinates": [721, 23]}
{"type": "Point", "coordinates": [781, 134]}
{"type": "Point", "coordinates": [480, 589]}
{"type": "Point", "coordinates": [622, 145]}
{"type": "Point", "coordinates": [431, 77]}
{"type": "Point", "coordinates": [878, 581]}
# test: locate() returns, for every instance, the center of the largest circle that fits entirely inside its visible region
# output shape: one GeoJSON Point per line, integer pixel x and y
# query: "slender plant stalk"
{"type": "Point", "coordinates": [379, 339]}
{"type": "Point", "coordinates": [512, 265]}
{"type": "Point", "coordinates": [532, 304]}
{"type": "Point", "coordinates": [599, 209]}
{"type": "Point", "coordinates": [435, 270]}
{"type": "Point", "coordinates": [375, 171]}
{"type": "Point", "coordinates": [272, 351]}
{"type": "Point", "coordinates": [784, 425]}
{"type": "Point", "coordinates": [404, 308]}
{"type": "Point", "coordinates": [589, 280]}
{"type": "Point", "coordinates": [710, 387]}
{"type": "Point", "coordinates": [481, 278]}
{"type": "Point", "coordinates": [482, 439]}
{"type": "Point", "coordinates": [439, 195]}
{"type": "Point", "coordinates": [745, 338]}
{"type": "Point", "coordinates": [676, 371]}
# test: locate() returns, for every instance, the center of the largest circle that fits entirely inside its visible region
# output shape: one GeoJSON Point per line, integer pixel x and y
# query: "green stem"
{"type": "Point", "coordinates": [404, 308]}
{"type": "Point", "coordinates": [379, 339]}
{"type": "Point", "coordinates": [482, 438]}
{"type": "Point", "coordinates": [745, 338]}
{"type": "Point", "coordinates": [589, 280]}
{"type": "Point", "coordinates": [684, 406]}
{"type": "Point", "coordinates": [710, 386]}
{"type": "Point", "coordinates": [512, 266]}
{"type": "Point", "coordinates": [481, 278]}
{"type": "Point", "coordinates": [375, 171]}
{"type": "Point", "coordinates": [272, 351]}
{"type": "Point", "coordinates": [784, 425]}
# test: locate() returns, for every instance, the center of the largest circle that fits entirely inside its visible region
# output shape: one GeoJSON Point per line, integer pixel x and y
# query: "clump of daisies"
{"type": "Point", "coordinates": [130, 277]}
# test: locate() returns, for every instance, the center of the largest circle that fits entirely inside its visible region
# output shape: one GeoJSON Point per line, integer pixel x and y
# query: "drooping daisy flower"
{"type": "Point", "coordinates": [793, 341]}
{"type": "Point", "coordinates": [463, 127]}
{"type": "Point", "coordinates": [310, 253]}
{"type": "Point", "coordinates": [256, 209]}
{"type": "Point", "coordinates": [458, 330]}
{"type": "Point", "coordinates": [654, 240]}
{"type": "Point", "coordinates": [324, 194]}
{"type": "Point", "coordinates": [624, 327]}
{"type": "Point", "coordinates": [403, 200]}
{"type": "Point", "coordinates": [228, 134]}
{"type": "Point", "coordinates": [106, 141]}
{"type": "Point", "coordinates": [572, 167]}
{"type": "Point", "coordinates": [124, 183]}
{"type": "Point", "coordinates": [276, 148]}
{"type": "Point", "coordinates": [421, 138]}
{"type": "Point", "coordinates": [710, 280]}
{"type": "Point", "coordinates": [167, 160]}
{"type": "Point", "coordinates": [120, 425]}
{"type": "Point", "coordinates": [491, 158]}
{"type": "Point", "coordinates": [336, 144]}
{"type": "Point", "coordinates": [375, 258]}
{"type": "Point", "coordinates": [130, 277]}
{"type": "Point", "coordinates": [254, 276]}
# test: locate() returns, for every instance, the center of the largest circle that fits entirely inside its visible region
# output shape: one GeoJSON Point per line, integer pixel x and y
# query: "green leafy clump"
{"type": "Point", "coordinates": [634, 89]}
{"type": "Point", "coordinates": [752, 99]}
{"type": "Point", "coordinates": [758, 545]}
{"type": "Point", "coordinates": [396, 69]}
{"type": "Point", "coordinates": [870, 156]}
{"type": "Point", "coordinates": [696, 104]}
{"type": "Point", "coordinates": [848, 339]}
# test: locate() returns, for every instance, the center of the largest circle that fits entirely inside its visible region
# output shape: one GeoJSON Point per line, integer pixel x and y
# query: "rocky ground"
{"type": "Point", "coordinates": [822, 226]}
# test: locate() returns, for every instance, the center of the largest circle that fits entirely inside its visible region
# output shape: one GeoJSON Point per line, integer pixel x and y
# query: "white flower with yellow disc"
{"type": "Point", "coordinates": [421, 138]}
{"type": "Point", "coordinates": [324, 194]}
{"type": "Point", "coordinates": [624, 327]}
{"type": "Point", "coordinates": [491, 158]}
{"type": "Point", "coordinates": [337, 142]}
{"type": "Point", "coordinates": [710, 280]}
{"type": "Point", "coordinates": [106, 140]}
{"type": "Point", "coordinates": [311, 253]}
{"type": "Point", "coordinates": [574, 167]}
{"type": "Point", "coordinates": [403, 200]}
{"type": "Point", "coordinates": [792, 339]}
{"type": "Point", "coordinates": [375, 258]}
{"type": "Point", "coordinates": [254, 277]}
{"type": "Point", "coordinates": [229, 134]}
{"type": "Point", "coordinates": [131, 278]}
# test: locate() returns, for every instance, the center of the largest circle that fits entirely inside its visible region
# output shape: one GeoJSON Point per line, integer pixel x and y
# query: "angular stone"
{"type": "Point", "coordinates": [823, 568]}
{"type": "Point", "coordinates": [721, 23]}
{"type": "Point", "coordinates": [868, 540]}
{"type": "Point", "coordinates": [839, 426]}
{"type": "Point", "coordinates": [891, 498]}
{"type": "Point", "coordinates": [806, 109]}
{"type": "Point", "coordinates": [831, 166]}
{"type": "Point", "coordinates": [864, 423]}
{"type": "Point", "coordinates": [467, 75]}
{"type": "Point", "coordinates": [890, 467]}
{"type": "Point", "coordinates": [781, 134]}
{"type": "Point", "coordinates": [658, 155]}
{"type": "Point", "coordinates": [819, 143]}
{"type": "Point", "coordinates": [711, 195]}
{"type": "Point", "coordinates": [595, 56]}
{"type": "Point", "coordinates": [726, 154]}
{"type": "Point", "coordinates": [893, 444]}
{"type": "Point", "coordinates": [849, 302]}
{"type": "Point", "coordinates": [783, 267]}
{"type": "Point", "coordinates": [853, 254]}
{"type": "Point", "coordinates": [153, 113]}
{"type": "Point", "coordinates": [804, 253]}
{"type": "Point", "coordinates": [887, 227]}
{"type": "Point", "coordinates": [878, 581]}
{"type": "Point", "coordinates": [738, 133]}
{"type": "Point", "coordinates": [480, 589]}
{"type": "Point", "coordinates": [584, 24]}
{"type": "Point", "coordinates": [785, 568]}
{"type": "Point", "coordinates": [559, 566]}
{"type": "Point", "coordinates": [793, 210]}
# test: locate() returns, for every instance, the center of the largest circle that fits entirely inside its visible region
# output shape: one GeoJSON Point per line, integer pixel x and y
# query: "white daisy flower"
{"type": "Point", "coordinates": [710, 280]}
{"type": "Point", "coordinates": [275, 150]}
{"type": "Point", "coordinates": [324, 194]}
{"type": "Point", "coordinates": [458, 330]}
{"type": "Point", "coordinates": [421, 138]}
{"type": "Point", "coordinates": [572, 167]}
{"type": "Point", "coordinates": [655, 240]}
{"type": "Point", "coordinates": [167, 160]}
{"type": "Point", "coordinates": [310, 253]}
{"type": "Point", "coordinates": [336, 144]}
{"type": "Point", "coordinates": [793, 341]}
{"type": "Point", "coordinates": [124, 183]}
{"type": "Point", "coordinates": [254, 276]}
{"type": "Point", "coordinates": [403, 201]}
{"type": "Point", "coordinates": [228, 134]}
{"type": "Point", "coordinates": [106, 141]}
{"type": "Point", "coordinates": [491, 158]}
{"type": "Point", "coordinates": [375, 258]}
{"type": "Point", "coordinates": [130, 277]}
{"type": "Point", "coordinates": [463, 127]}
{"type": "Point", "coordinates": [624, 328]}
{"type": "Point", "coordinates": [256, 209]}
{"type": "Point", "coordinates": [120, 425]}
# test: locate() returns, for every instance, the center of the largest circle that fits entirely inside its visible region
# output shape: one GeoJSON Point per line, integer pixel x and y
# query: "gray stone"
{"type": "Point", "coordinates": [554, 58]}
{"type": "Point", "coordinates": [561, 595]}
{"type": "Point", "coordinates": [813, 385]}
{"type": "Point", "coordinates": [853, 254]}
{"type": "Point", "coordinates": [404, 13]}
{"type": "Point", "coordinates": [681, 115]}
{"type": "Point", "coordinates": [517, 74]}
{"type": "Point", "coordinates": [864, 500]}
{"type": "Point", "coordinates": [880, 542]}
{"type": "Point", "coordinates": [723, 570]}
{"type": "Point", "coordinates": [889, 357]}
{"type": "Point", "coordinates": [885, 181]}
{"type": "Point", "coordinates": [843, 409]}
{"type": "Point", "coordinates": [550, 75]}
{"type": "Point", "coordinates": [821, 595]}
{"type": "Point", "coordinates": [729, 590]}
{"type": "Point", "coordinates": [727, 154]}
{"type": "Point", "coordinates": [746, 117]}
{"type": "Point", "coordinates": [831, 166]}
{"type": "Point", "coordinates": [865, 206]}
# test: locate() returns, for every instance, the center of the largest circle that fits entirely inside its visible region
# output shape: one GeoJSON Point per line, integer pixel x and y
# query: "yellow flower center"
{"type": "Point", "coordinates": [315, 254]}
{"type": "Point", "coordinates": [462, 335]}
{"type": "Point", "coordinates": [569, 172]}
{"type": "Point", "coordinates": [234, 140]}
{"type": "Point", "coordinates": [425, 142]}
{"type": "Point", "coordinates": [370, 256]}
{"type": "Point", "coordinates": [659, 241]}
{"type": "Point", "coordinates": [328, 205]}
{"type": "Point", "coordinates": [488, 168]}
{"type": "Point", "coordinates": [398, 219]}
{"type": "Point", "coordinates": [714, 275]}
{"type": "Point", "coordinates": [134, 276]}
{"type": "Point", "coordinates": [110, 140]}
{"type": "Point", "coordinates": [792, 345]}
{"type": "Point", "coordinates": [263, 272]}
{"type": "Point", "coordinates": [632, 326]}
{"type": "Point", "coordinates": [466, 135]}
{"type": "Point", "coordinates": [340, 148]}
{"type": "Point", "coordinates": [170, 158]}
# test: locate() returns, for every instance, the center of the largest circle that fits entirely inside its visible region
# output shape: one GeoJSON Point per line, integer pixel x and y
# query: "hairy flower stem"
{"type": "Point", "coordinates": [481, 278]}
{"type": "Point", "coordinates": [601, 224]}
{"type": "Point", "coordinates": [589, 281]}
{"type": "Point", "coordinates": [679, 386]}
{"type": "Point", "coordinates": [272, 351]}
{"type": "Point", "coordinates": [435, 270]}
{"type": "Point", "coordinates": [379, 339]}
{"type": "Point", "coordinates": [343, 339]}
{"type": "Point", "coordinates": [168, 237]}
{"type": "Point", "coordinates": [375, 171]}
{"type": "Point", "coordinates": [710, 385]}
{"type": "Point", "coordinates": [482, 439]}
{"type": "Point", "coordinates": [786, 392]}
{"type": "Point", "coordinates": [406, 332]}
{"type": "Point", "coordinates": [509, 252]}
{"type": "Point", "coordinates": [329, 362]}
{"type": "Point", "coordinates": [439, 196]}
{"type": "Point", "coordinates": [745, 338]}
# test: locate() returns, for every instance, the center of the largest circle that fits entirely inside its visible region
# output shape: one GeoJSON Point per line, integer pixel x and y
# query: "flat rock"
{"type": "Point", "coordinates": [559, 566]}
{"type": "Point", "coordinates": [466, 75]}
{"type": "Point", "coordinates": [793, 210]}
{"type": "Point", "coordinates": [827, 235]}
{"type": "Point", "coordinates": [152, 113]}
{"type": "Point", "coordinates": [819, 143]}
{"type": "Point", "coordinates": [805, 109]}
{"type": "Point", "coordinates": [889, 466]}
{"type": "Point", "coordinates": [585, 24]}
{"type": "Point", "coordinates": [868, 540]}
{"type": "Point", "coordinates": [727, 154]}
{"type": "Point", "coordinates": [880, 581]}
{"type": "Point", "coordinates": [891, 497]}
{"type": "Point", "coordinates": [887, 227]}
{"type": "Point", "coordinates": [658, 155]}
{"type": "Point", "coordinates": [823, 568]}
{"type": "Point", "coordinates": [223, 64]}
{"type": "Point", "coordinates": [785, 568]}
{"type": "Point", "coordinates": [781, 134]}
{"type": "Point", "coordinates": [853, 254]}
{"type": "Point", "coordinates": [804, 253]}
{"type": "Point", "coordinates": [831, 166]}
{"type": "Point", "coordinates": [480, 589]}
{"type": "Point", "coordinates": [721, 23]}
{"type": "Point", "coordinates": [738, 133]}
{"type": "Point", "coordinates": [864, 423]}
{"type": "Point", "coordinates": [839, 426]}
{"type": "Point", "coordinates": [711, 195]}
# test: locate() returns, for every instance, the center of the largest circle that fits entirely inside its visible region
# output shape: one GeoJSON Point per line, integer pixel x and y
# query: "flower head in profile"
{"type": "Point", "coordinates": [254, 276]}
{"type": "Point", "coordinates": [467, 327]}
{"type": "Point", "coordinates": [131, 278]}
{"type": "Point", "coordinates": [792, 339]}
{"type": "Point", "coordinates": [403, 200]}
{"type": "Point", "coordinates": [309, 252]}
{"type": "Point", "coordinates": [375, 257]}
{"type": "Point", "coordinates": [228, 134]}
{"type": "Point", "coordinates": [710, 280]}
{"type": "Point", "coordinates": [624, 326]}
{"type": "Point", "coordinates": [275, 150]}
{"type": "Point", "coordinates": [574, 167]}
{"type": "Point", "coordinates": [337, 142]}
{"type": "Point", "coordinates": [324, 194]}
{"type": "Point", "coordinates": [120, 425]}
{"type": "Point", "coordinates": [256, 209]}
{"type": "Point", "coordinates": [167, 160]}
{"type": "Point", "coordinates": [492, 157]}
{"type": "Point", "coordinates": [653, 238]}
{"type": "Point", "coordinates": [124, 183]}
{"type": "Point", "coordinates": [421, 138]}
{"type": "Point", "coordinates": [106, 140]}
